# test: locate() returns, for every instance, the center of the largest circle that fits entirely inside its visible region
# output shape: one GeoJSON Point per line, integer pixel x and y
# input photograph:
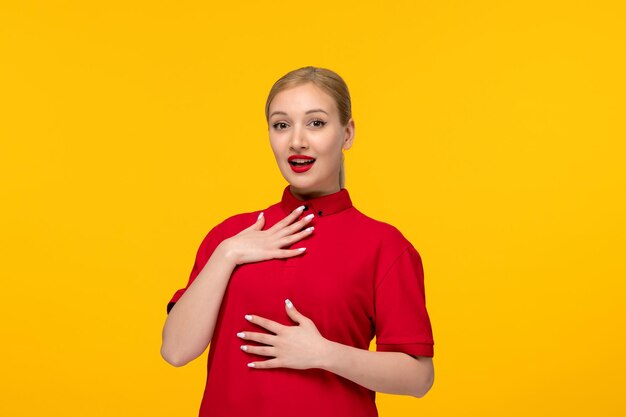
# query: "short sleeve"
{"type": "Point", "coordinates": [206, 249]}
{"type": "Point", "coordinates": [402, 321]}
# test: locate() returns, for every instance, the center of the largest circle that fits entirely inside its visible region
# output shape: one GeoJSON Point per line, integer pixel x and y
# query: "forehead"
{"type": "Point", "coordinates": [301, 98]}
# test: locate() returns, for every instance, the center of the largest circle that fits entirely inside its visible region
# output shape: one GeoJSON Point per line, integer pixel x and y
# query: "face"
{"type": "Point", "coordinates": [304, 124]}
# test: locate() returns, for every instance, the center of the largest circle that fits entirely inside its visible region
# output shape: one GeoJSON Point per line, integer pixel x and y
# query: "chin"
{"type": "Point", "coordinates": [297, 180]}
{"type": "Point", "coordinates": [301, 185]}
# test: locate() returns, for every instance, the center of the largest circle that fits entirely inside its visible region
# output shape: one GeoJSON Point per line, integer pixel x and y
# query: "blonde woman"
{"type": "Point", "coordinates": [291, 296]}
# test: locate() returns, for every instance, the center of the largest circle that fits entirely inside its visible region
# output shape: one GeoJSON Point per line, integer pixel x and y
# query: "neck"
{"type": "Point", "coordinates": [304, 194]}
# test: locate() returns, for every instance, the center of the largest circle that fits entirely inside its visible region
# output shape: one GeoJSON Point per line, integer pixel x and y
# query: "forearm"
{"type": "Point", "coordinates": [387, 372]}
{"type": "Point", "coordinates": [189, 326]}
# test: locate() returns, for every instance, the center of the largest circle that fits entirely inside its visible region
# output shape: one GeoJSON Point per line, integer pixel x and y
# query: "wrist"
{"type": "Point", "coordinates": [328, 352]}
{"type": "Point", "coordinates": [227, 254]}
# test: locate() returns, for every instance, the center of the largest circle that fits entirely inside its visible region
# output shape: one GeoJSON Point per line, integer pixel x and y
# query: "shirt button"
{"type": "Point", "coordinates": [319, 212]}
{"type": "Point", "coordinates": [306, 207]}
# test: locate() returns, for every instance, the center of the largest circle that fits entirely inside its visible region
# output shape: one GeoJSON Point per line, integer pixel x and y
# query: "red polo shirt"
{"type": "Point", "coordinates": [358, 278]}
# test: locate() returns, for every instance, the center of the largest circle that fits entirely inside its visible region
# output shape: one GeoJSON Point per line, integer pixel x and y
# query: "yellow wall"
{"type": "Point", "coordinates": [490, 133]}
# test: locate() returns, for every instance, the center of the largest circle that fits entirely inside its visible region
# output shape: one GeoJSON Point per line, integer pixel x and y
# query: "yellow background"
{"type": "Point", "coordinates": [490, 133]}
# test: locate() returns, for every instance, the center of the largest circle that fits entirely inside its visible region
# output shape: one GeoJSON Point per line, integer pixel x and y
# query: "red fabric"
{"type": "Point", "coordinates": [358, 278]}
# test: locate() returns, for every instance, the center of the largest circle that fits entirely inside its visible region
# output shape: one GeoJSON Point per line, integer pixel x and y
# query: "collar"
{"type": "Point", "coordinates": [321, 206]}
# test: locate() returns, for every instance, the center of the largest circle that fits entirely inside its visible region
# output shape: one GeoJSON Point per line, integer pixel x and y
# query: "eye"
{"type": "Point", "coordinates": [318, 123]}
{"type": "Point", "coordinates": [279, 125]}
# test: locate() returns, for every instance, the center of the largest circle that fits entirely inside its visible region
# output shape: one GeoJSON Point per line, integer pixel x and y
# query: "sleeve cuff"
{"type": "Point", "coordinates": [170, 305]}
{"type": "Point", "coordinates": [175, 298]}
{"type": "Point", "coordinates": [415, 349]}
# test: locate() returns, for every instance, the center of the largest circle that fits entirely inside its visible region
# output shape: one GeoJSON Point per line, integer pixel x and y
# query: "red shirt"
{"type": "Point", "coordinates": [357, 279]}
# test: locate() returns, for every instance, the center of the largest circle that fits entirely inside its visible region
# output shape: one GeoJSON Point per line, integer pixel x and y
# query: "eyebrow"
{"type": "Point", "coordinates": [307, 112]}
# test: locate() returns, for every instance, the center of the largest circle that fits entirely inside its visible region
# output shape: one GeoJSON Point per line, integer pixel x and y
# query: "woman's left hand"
{"type": "Point", "coordinates": [296, 347]}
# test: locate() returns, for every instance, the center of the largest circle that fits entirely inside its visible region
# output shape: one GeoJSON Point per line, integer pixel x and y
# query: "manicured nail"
{"type": "Point", "coordinates": [289, 303]}
{"type": "Point", "coordinates": [244, 347]}
{"type": "Point", "coordinates": [301, 249]}
{"type": "Point", "coordinates": [241, 334]}
{"type": "Point", "coordinates": [309, 229]}
{"type": "Point", "coordinates": [251, 365]}
{"type": "Point", "coordinates": [309, 217]}
{"type": "Point", "coordinates": [260, 215]}
{"type": "Point", "coordinates": [248, 317]}
{"type": "Point", "coordinates": [300, 208]}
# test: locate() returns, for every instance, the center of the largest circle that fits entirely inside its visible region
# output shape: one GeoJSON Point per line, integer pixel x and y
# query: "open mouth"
{"type": "Point", "coordinates": [301, 162]}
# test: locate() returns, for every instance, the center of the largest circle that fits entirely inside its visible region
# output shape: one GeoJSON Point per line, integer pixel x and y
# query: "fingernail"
{"type": "Point", "coordinates": [309, 229]}
{"type": "Point", "coordinates": [300, 208]}
{"type": "Point", "coordinates": [309, 217]}
{"type": "Point", "coordinates": [251, 365]}
{"type": "Point", "coordinates": [248, 317]}
{"type": "Point", "coordinates": [289, 303]}
{"type": "Point", "coordinates": [301, 249]}
{"type": "Point", "coordinates": [244, 347]}
{"type": "Point", "coordinates": [260, 215]}
{"type": "Point", "coordinates": [241, 334]}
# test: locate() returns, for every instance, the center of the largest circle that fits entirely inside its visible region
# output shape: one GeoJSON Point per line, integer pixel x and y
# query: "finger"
{"type": "Point", "coordinates": [270, 325]}
{"type": "Point", "coordinates": [270, 363]}
{"type": "Point", "coordinates": [288, 219]}
{"type": "Point", "coordinates": [297, 226]}
{"type": "Point", "coordinates": [294, 314]}
{"type": "Point", "coordinates": [257, 225]}
{"type": "Point", "coordinates": [266, 339]}
{"type": "Point", "coordinates": [289, 240]}
{"type": "Point", "coordinates": [260, 350]}
{"type": "Point", "coordinates": [288, 253]}
{"type": "Point", "coordinates": [260, 221]}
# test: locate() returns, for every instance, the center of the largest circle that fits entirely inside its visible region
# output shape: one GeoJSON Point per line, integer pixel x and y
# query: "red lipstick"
{"type": "Point", "coordinates": [300, 163]}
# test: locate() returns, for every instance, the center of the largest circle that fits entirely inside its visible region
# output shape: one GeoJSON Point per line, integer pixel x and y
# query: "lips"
{"type": "Point", "coordinates": [300, 160]}
{"type": "Point", "coordinates": [301, 163]}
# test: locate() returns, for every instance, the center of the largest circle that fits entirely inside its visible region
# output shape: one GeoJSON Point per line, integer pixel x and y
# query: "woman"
{"type": "Point", "coordinates": [290, 297]}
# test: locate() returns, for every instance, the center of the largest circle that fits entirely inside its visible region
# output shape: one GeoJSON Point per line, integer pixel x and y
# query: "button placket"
{"type": "Point", "coordinates": [293, 265]}
{"type": "Point", "coordinates": [293, 261]}
{"type": "Point", "coordinates": [308, 209]}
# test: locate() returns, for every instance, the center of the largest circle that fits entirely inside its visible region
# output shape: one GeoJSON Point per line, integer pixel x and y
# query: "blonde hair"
{"type": "Point", "coordinates": [327, 80]}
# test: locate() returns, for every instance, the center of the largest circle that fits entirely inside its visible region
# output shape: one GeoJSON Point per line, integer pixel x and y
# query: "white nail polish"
{"type": "Point", "coordinates": [251, 365]}
{"type": "Point", "coordinates": [289, 303]}
{"type": "Point", "coordinates": [300, 208]}
{"type": "Point", "coordinates": [241, 334]}
{"type": "Point", "coordinates": [301, 249]}
{"type": "Point", "coordinates": [248, 317]}
{"type": "Point", "coordinates": [309, 229]}
{"type": "Point", "coordinates": [309, 217]}
{"type": "Point", "coordinates": [244, 348]}
{"type": "Point", "coordinates": [260, 215]}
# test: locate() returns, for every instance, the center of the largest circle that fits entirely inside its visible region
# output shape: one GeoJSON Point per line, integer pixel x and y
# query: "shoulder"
{"type": "Point", "coordinates": [235, 223]}
{"type": "Point", "coordinates": [386, 247]}
{"type": "Point", "coordinates": [387, 236]}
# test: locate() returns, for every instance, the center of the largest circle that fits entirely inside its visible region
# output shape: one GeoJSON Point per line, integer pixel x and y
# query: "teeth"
{"type": "Point", "coordinates": [301, 161]}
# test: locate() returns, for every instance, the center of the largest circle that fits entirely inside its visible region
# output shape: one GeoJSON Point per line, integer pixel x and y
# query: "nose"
{"type": "Point", "coordinates": [298, 139]}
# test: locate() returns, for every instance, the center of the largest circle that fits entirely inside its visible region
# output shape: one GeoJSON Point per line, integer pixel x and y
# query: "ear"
{"type": "Point", "coordinates": [349, 135]}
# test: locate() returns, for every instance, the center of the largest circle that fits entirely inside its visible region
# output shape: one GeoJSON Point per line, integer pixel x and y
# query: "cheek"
{"type": "Point", "coordinates": [331, 147]}
{"type": "Point", "coordinates": [275, 147]}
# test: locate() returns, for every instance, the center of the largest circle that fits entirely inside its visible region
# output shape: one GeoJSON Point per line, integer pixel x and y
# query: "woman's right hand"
{"type": "Point", "coordinates": [254, 244]}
